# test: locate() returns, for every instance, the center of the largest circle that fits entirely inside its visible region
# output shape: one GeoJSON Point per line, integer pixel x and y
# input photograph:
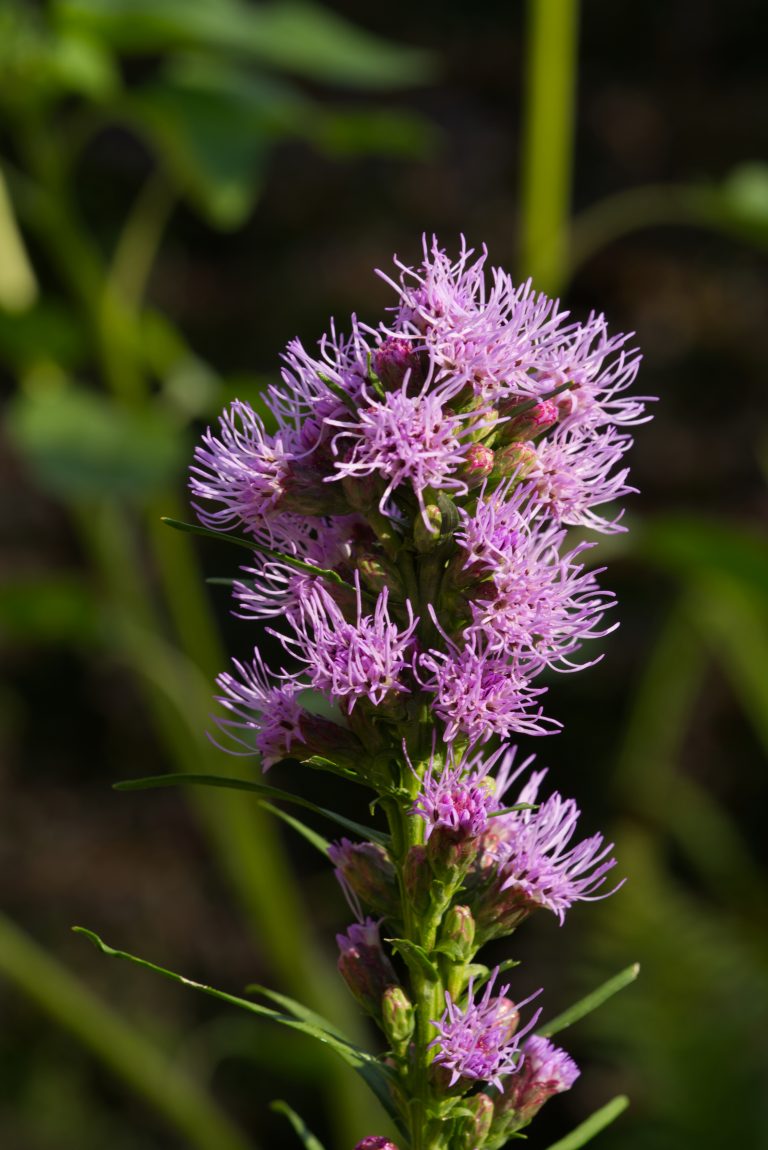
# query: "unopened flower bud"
{"type": "Point", "coordinates": [475, 1129]}
{"type": "Point", "coordinates": [517, 459]}
{"type": "Point", "coordinates": [426, 538]}
{"type": "Point", "coordinates": [499, 912]}
{"type": "Point", "coordinates": [392, 359]}
{"type": "Point", "coordinates": [458, 930]}
{"type": "Point", "coordinates": [477, 465]}
{"type": "Point", "coordinates": [545, 1070]}
{"type": "Point", "coordinates": [397, 1017]}
{"type": "Point", "coordinates": [364, 966]}
{"type": "Point", "coordinates": [323, 738]}
{"type": "Point", "coordinates": [418, 878]}
{"type": "Point", "coordinates": [365, 869]}
{"type": "Point", "coordinates": [530, 421]}
{"type": "Point", "coordinates": [374, 1142]}
{"type": "Point", "coordinates": [450, 850]}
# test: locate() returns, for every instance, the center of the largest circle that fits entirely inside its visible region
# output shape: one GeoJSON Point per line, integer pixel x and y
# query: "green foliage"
{"type": "Point", "coordinates": [307, 1137]}
{"type": "Point", "coordinates": [590, 1002]}
{"type": "Point", "coordinates": [374, 1073]}
{"type": "Point", "coordinates": [181, 779]}
{"type": "Point", "coordinates": [593, 1126]}
{"type": "Point", "coordinates": [294, 35]}
{"type": "Point", "coordinates": [80, 446]}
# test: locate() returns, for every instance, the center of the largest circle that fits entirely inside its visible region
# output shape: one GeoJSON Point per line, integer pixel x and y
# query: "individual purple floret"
{"type": "Point", "coordinates": [272, 586]}
{"type": "Point", "coordinates": [530, 593]}
{"type": "Point", "coordinates": [375, 1142]}
{"type": "Point", "coordinates": [546, 1070]}
{"type": "Point", "coordinates": [406, 440]}
{"type": "Point", "coordinates": [573, 475]}
{"type": "Point", "coordinates": [268, 714]}
{"type": "Point", "coordinates": [534, 860]}
{"type": "Point", "coordinates": [243, 470]}
{"type": "Point", "coordinates": [350, 661]}
{"type": "Point", "coordinates": [479, 694]}
{"type": "Point", "coordinates": [481, 1041]}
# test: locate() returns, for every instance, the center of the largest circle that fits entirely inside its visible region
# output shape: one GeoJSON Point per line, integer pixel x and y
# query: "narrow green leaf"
{"type": "Point", "coordinates": [316, 840]}
{"type": "Point", "coordinates": [586, 1005]}
{"type": "Point", "coordinates": [226, 537]}
{"type": "Point", "coordinates": [593, 1125]}
{"type": "Point", "coordinates": [415, 956]}
{"type": "Point", "coordinates": [156, 781]}
{"type": "Point", "coordinates": [307, 1137]}
{"type": "Point", "coordinates": [297, 1009]}
{"type": "Point", "coordinates": [366, 1065]}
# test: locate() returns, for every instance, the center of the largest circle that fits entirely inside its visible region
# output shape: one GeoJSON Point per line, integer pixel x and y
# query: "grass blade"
{"type": "Point", "coordinates": [307, 1137]}
{"type": "Point", "coordinates": [586, 1005]}
{"type": "Point", "coordinates": [593, 1125]}
{"type": "Point", "coordinates": [180, 779]}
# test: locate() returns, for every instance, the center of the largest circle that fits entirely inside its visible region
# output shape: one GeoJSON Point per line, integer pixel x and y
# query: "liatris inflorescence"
{"type": "Point", "coordinates": [410, 511]}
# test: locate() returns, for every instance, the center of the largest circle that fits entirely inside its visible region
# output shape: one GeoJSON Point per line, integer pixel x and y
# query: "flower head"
{"type": "Point", "coordinates": [481, 1040]}
{"type": "Point", "coordinates": [350, 661]}
{"type": "Point", "coordinates": [534, 859]}
{"type": "Point", "coordinates": [546, 1070]}
{"type": "Point", "coordinates": [263, 707]}
{"type": "Point", "coordinates": [243, 470]}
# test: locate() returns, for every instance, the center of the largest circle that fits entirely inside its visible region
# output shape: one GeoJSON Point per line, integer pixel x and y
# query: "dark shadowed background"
{"type": "Point", "coordinates": [183, 188]}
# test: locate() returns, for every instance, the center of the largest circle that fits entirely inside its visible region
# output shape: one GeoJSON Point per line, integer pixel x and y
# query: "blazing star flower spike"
{"type": "Point", "coordinates": [418, 509]}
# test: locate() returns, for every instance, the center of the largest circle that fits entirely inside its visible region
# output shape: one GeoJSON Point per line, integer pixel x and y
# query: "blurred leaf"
{"type": "Point", "coordinates": [175, 780]}
{"type": "Point", "coordinates": [373, 131]}
{"type": "Point", "coordinates": [47, 330]}
{"type": "Point", "coordinates": [591, 1002]}
{"type": "Point", "coordinates": [745, 193]}
{"type": "Point", "coordinates": [18, 286]}
{"type": "Point", "coordinates": [593, 1125]}
{"type": "Point", "coordinates": [689, 545]}
{"type": "Point", "coordinates": [366, 1065]}
{"type": "Point", "coordinates": [48, 609]}
{"type": "Point", "coordinates": [308, 1139]}
{"type": "Point", "coordinates": [79, 445]}
{"type": "Point", "coordinates": [694, 1031]}
{"type": "Point", "coordinates": [81, 63]}
{"type": "Point", "coordinates": [295, 35]}
{"type": "Point", "coordinates": [734, 622]}
{"type": "Point", "coordinates": [211, 128]}
{"type": "Point", "coordinates": [37, 63]}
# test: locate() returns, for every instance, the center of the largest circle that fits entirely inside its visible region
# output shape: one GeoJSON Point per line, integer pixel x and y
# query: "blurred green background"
{"type": "Point", "coordinates": [185, 185]}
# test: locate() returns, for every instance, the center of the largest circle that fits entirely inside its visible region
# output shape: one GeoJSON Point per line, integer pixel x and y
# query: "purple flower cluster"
{"type": "Point", "coordinates": [479, 423]}
{"type": "Point", "coordinates": [411, 500]}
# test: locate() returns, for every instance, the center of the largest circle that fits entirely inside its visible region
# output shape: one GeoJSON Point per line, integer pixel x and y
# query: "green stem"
{"type": "Point", "coordinates": [548, 132]}
{"type": "Point", "coordinates": [651, 206]}
{"type": "Point", "coordinates": [182, 1102]}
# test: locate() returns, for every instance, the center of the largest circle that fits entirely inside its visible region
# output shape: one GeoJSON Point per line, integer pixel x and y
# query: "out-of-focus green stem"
{"type": "Point", "coordinates": [548, 130]}
{"type": "Point", "coordinates": [649, 206]}
{"type": "Point", "coordinates": [136, 1060]}
{"type": "Point", "coordinates": [244, 836]}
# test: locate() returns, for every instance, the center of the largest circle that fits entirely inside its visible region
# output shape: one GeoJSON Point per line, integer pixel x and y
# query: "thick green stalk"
{"type": "Point", "coordinates": [135, 1059]}
{"type": "Point", "coordinates": [548, 131]}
